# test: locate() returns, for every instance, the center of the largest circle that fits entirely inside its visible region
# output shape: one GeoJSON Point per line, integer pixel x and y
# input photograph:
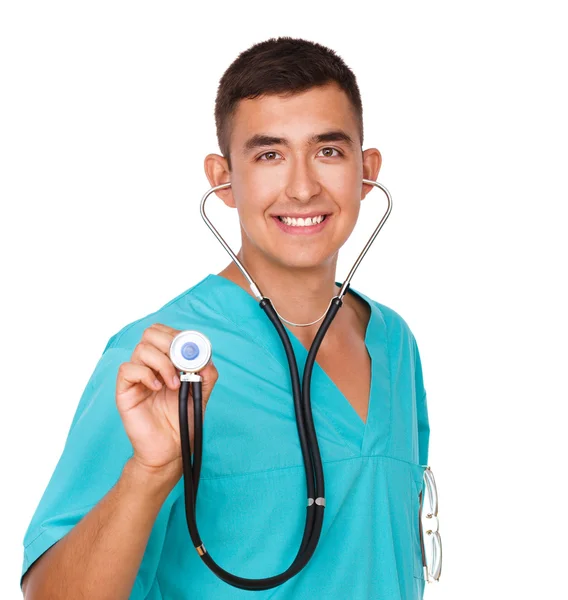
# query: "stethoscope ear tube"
{"type": "Point", "coordinates": [310, 452]}
{"type": "Point", "coordinates": [254, 288]}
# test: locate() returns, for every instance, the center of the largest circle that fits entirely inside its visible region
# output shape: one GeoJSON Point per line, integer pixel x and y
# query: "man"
{"type": "Point", "coordinates": [112, 521]}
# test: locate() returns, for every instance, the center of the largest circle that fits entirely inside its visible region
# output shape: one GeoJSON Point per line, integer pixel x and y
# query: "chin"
{"type": "Point", "coordinates": [300, 261]}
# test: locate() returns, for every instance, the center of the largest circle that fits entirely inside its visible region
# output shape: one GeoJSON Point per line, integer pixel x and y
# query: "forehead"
{"type": "Point", "coordinates": [295, 117]}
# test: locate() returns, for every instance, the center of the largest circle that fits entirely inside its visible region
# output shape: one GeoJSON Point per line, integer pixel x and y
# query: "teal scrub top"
{"type": "Point", "coordinates": [251, 504]}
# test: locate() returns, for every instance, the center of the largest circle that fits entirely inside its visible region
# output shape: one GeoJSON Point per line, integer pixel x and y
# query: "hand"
{"type": "Point", "coordinates": [150, 410]}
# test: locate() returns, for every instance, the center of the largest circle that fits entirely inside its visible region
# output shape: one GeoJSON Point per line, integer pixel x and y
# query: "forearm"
{"type": "Point", "coordinates": [100, 557]}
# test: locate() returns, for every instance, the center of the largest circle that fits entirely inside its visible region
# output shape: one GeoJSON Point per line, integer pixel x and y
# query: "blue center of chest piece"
{"type": "Point", "coordinates": [190, 350]}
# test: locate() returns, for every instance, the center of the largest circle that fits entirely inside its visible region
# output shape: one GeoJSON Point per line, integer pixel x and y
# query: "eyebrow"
{"type": "Point", "coordinates": [261, 140]}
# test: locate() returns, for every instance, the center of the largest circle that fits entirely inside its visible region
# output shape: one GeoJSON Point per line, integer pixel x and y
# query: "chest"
{"type": "Point", "coordinates": [349, 367]}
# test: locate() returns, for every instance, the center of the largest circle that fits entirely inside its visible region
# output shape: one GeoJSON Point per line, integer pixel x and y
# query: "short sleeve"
{"type": "Point", "coordinates": [421, 408]}
{"type": "Point", "coordinates": [91, 463]}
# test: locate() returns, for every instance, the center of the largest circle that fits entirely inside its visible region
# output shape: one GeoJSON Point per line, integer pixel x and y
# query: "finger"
{"type": "Point", "coordinates": [165, 328]}
{"type": "Point", "coordinates": [148, 354]}
{"type": "Point", "coordinates": [129, 374]}
{"type": "Point", "coordinates": [160, 336]}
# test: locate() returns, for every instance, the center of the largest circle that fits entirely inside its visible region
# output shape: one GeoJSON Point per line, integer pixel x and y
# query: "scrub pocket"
{"type": "Point", "coordinates": [417, 543]}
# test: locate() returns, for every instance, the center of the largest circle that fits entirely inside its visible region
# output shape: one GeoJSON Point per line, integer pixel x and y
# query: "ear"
{"type": "Point", "coordinates": [217, 171]}
{"type": "Point", "coordinates": [372, 161]}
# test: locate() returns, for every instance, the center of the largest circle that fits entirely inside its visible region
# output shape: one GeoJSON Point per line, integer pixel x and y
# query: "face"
{"type": "Point", "coordinates": [296, 156]}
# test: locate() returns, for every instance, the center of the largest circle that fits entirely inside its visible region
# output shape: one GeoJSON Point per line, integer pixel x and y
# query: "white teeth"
{"type": "Point", "coordinates": [302, 222]}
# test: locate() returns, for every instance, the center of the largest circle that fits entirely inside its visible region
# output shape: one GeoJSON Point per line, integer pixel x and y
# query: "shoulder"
{"type": "Point", "coordinates": [397, 328]}
{"type": "Point", "coordinates": [391, 317]}
{"type": "Point", "coordinates": [187, 307]}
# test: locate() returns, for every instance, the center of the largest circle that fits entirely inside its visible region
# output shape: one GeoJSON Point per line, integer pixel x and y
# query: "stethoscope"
{"type": "Point", "coordinates": [190, 351]}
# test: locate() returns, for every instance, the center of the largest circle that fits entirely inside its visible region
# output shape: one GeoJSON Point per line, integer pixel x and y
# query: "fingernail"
{"type": "Point", "coordinates": [175, 380]}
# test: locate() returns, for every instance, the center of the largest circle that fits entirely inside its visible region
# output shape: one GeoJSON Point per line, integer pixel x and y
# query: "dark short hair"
{"type": "Point", "coordinates": [283, 66]}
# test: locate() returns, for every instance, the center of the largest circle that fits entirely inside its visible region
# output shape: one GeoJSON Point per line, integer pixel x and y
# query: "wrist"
{"type": "Point", "coordinates": [153, 481]}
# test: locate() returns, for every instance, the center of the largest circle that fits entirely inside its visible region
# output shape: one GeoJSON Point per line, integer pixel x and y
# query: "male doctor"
{"type": "Point", "coordinates": [111, 523]}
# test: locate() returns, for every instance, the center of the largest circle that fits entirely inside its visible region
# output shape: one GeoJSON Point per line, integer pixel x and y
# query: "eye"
{"type": "Point", "coordinates": [329, 155]}
{"type": "Point", "coordinates": [266, 154]}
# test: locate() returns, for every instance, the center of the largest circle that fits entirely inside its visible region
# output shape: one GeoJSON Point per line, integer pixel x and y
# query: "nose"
{"type": "Point", "coordinates": [303, 184]}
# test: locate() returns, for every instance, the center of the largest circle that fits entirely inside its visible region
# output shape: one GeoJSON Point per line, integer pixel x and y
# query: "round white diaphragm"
{"type": "Point", "coordinates": [190, 351]}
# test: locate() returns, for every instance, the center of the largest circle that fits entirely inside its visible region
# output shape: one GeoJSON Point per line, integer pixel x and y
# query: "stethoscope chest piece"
{"type": "Point", "coordinates": [190, 351]}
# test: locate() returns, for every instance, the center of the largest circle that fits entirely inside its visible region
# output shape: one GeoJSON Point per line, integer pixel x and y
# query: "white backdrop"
{"type": "Point", "coordinates": [106, 114]}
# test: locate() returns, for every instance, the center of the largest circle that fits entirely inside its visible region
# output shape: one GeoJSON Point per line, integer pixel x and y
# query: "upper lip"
{"type": "Point", "coordinates": [301, 216]}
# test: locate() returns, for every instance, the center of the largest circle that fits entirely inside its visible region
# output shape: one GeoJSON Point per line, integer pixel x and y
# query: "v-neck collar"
{"type": "Point", "coordinates": [229, 299]}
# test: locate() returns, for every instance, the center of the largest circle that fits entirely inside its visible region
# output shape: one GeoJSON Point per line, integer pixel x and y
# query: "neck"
{"type": "Point", "coordinates": [299, 295]}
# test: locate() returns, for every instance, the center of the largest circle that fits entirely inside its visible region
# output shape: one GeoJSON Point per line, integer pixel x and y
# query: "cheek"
{"type": "Point", "coordinates": [255, 197]}
{"type": "Point", "coordinates": [262, 188]}
{"type": "Point", "coordinates": [252, 209]}
{"type": "Point", "coordinates": [349, 198]}
{"type": "Point", "coordinates": [348, 216]}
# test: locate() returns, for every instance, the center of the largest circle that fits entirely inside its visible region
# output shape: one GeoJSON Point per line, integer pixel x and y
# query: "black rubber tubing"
{"type": "Point", "coordinates": [308, 442]}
